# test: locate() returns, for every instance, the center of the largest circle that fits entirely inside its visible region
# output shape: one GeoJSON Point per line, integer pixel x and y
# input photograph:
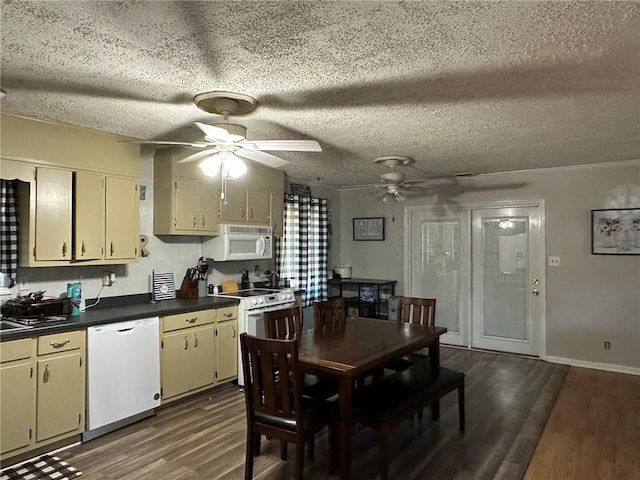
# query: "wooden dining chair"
{"type": "Point", "coordinates": [285, 324]}
{"type": "Point", "coordinates": [416, 311]}
{"type": "Point", "coordinates": [329, 313]}
{"type": "Point", "coordinates": [274, 402]}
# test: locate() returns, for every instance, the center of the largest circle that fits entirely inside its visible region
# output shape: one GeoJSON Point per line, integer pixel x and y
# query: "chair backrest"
{"type": "Point", "coordinates": [418, 311]}
{"type": "Point", "coordinates": [273, 388]}
{"type": "Point", "coordinates": [285, 324]}
{"type": "Point", "coordinates": [329, 313]}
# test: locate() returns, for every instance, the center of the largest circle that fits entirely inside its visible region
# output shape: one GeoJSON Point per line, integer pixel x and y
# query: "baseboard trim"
{"type": "Point", "coordinates": [594, 365]}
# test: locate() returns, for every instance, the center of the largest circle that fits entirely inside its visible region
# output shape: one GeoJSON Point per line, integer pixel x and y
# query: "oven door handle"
{"type": "Point", "coordinates": [255, 311]}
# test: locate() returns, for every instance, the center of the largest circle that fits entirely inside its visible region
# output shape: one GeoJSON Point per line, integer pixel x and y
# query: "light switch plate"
{"type": "Point", "coordinates": [554, 261]}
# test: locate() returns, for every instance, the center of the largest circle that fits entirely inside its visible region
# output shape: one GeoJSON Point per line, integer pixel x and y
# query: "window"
{"type": "Point", "coordinates": [301, 253]}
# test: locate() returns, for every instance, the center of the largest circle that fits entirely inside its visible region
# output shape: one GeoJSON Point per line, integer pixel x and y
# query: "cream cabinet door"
{"type": "Point", "coordinates": [122, 214]}
{"type": "Point", "coordinates": [208, 201]}
{"type": "Point", "coordinates": [276, 216]}
{"type": "Point", "coordinates": [53, 214]}
{"type": "Point", "coordinates": [17, 404]}
{"type": "Point", "coordinates": [186, 205]}
{"type": "Point", "coordinates": [227, 350]}
{"type": "Point", "coordinates": [233, 207]}
{"type": "Point", "coordinates": [258, 206]}
{"type": "Point", "coordinates": [175, 348]}
{"type": "Point", "coordinates": [89, 216]}
{"type": "Point", "coordinates": [202, 357]}
{"type": "Point", "coordinates": [60, 395]}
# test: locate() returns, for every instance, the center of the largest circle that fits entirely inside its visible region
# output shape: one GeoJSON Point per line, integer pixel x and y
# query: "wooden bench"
{"type": "Point", "coordinates": [396, 397]}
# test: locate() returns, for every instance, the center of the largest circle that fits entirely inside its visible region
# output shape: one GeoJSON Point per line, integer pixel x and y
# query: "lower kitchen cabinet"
{"type": "Point", "coordinates": [17, 395]}
{"type": "Point", "coordinates": [42, 382]}
{"type": "Point", "coordinates": [196, 351]}
{"type": "Point", "coordinates": [227, 341]}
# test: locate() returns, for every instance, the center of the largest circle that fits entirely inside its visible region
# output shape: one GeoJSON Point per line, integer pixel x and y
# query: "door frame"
{"type": "Point", "coordinates": [468, 207]}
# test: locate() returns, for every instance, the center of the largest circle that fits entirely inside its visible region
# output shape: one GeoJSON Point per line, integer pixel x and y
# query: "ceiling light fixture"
{"type": "Point", "coordinates": [505, 224]}
{"type": "Point", "coordinates": [230, 165]}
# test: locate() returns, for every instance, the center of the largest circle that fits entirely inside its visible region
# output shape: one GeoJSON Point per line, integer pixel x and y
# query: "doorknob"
{"type": "Point", "coordinates": [535, 292]}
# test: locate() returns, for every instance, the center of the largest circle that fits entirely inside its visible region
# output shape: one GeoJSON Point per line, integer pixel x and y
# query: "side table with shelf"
{"type": "Point", "coordinates": [369, 296]}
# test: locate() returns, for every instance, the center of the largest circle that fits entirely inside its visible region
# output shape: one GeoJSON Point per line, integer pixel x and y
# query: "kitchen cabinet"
{"type": "Point", "coordinates": [42, 385]}
{"type": "Point", "coordinates": [185, 200]}
{"type": "Point", "coordinates": [52, 209]}
{"type": "Point", "coordinates": [276, 215]}
{"type": "Point", "coordinates": [61, 385]}
{"type": "Point", "coordinates": [188, 358]}
{"type": "Point", "coordinates": [17, 395]}
{"type": "Point", "coordinates": [70, 217]}
{"type": "Point", "coordinates": [121, 219]}
{"type": "Point", "coordinates": [244, 205]}
{"type": "Point", "coordinates": [227, 343]}
{"type": "Point", "coordinates": [199, 350]}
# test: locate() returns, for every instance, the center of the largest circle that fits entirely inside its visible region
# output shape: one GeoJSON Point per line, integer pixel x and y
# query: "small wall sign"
{"type": "Point", "coordinates": [368, 228]}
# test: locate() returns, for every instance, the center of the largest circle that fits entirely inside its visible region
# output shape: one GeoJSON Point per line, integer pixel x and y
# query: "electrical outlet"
{"type": "Point", "coordinates": [106, 279]}
{"type": "Point", "coordinates": [554, 261]}
{"type": "Point", "coordinates": [607, 345]}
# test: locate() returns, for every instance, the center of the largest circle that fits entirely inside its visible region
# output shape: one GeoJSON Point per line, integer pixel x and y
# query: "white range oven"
{"type": "Point", "coordinates": [253, 303]}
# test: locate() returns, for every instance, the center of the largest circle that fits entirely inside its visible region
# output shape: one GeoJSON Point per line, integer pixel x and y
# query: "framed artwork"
{"type": "Point", "coordinates": [368, 228]}
{"type": "Point", "coordinates": [615, 231]}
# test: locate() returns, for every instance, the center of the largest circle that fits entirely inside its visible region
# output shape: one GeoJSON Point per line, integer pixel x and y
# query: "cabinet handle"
{"type": "Point", "coordinates": [241, 212]}
{"type": "Point", "coordinates": [203, 222]}
{"type": "Point", "coordinates": [59, 344]}
{"type": "Point", "coordinates": [64, 249]}
{"type": "Point", "coordinates": [83, 248]}
{"type": "Point", "coordinates": [234, 331]}
{"type": "Point", "coordinates": [45, 375]}
{"type": "Point", "coordinates": [186, 342]}
{"type": "Point", "coordinates": [195, 340]}
{"type": "Point", "coordinates": [195, 221]}
{"type": "Point", "coordinates": [191, 320]}
{"type": "Point", "coordinates": [251, 213]}
{"type": "Point", "coordinates": [112, 249]}
{"type": "Point", "coordinates": [228, 315]}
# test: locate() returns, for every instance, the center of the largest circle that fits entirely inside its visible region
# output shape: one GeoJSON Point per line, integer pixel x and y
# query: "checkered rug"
{"type": "Point", "coordinates": [45, 467]}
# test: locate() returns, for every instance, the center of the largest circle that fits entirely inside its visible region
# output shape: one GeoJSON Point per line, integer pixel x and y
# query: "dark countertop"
{"type": "Point", "coordinates": [118, 313]}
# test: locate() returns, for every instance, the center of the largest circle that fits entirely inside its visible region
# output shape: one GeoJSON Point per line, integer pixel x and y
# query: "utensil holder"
{"type": "Point", "coordinates": [188, 289]}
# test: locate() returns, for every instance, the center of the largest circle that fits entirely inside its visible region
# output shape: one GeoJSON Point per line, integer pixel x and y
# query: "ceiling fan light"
{"type": "Point", "coordinates": [387, 198]}
{"type": "Point", "coordinates": [400, 197]}
{"type": "Point", "coordinates": [211, 165]}
{"type": "Point", "coordinates": [234, 167]}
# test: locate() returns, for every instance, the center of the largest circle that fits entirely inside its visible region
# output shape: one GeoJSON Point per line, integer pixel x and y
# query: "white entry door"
{"type": "Point", "coordinates": [507, 276]}
{"type": "Point", "coordinates": [438, 267]}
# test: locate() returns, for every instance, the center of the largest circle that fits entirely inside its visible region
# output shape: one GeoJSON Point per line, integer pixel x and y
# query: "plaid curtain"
{"type": "Point", "coordinates": [301, 253]}
{"type": "Point", "coordinates": [8, 230]}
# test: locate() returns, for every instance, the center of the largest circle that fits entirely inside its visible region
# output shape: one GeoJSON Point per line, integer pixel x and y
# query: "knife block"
{"type": "Point", "coordinates": [188, 289]}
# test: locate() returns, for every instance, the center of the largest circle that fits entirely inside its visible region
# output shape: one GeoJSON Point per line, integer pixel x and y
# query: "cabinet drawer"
{"type": "Point", "coordinates": [17, 350]}
{"type": "Point", "coordinates": [189, 319]}
{"type": "Point", "coordinates": [227, 313]}
{"type": "Point", "coordinates": [60, 342]}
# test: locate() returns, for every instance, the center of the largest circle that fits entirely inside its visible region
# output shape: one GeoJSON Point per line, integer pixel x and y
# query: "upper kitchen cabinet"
{"type": "Point", "coordinates": [185, 200]}
{"type": "Point", "coordinates": [77, 194]}
{"type": "Point", "coordinates": [276, 215]}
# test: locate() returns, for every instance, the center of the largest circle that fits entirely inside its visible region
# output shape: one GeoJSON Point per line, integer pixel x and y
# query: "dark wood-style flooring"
{"type": "Point", "coordinates": [508, 400]}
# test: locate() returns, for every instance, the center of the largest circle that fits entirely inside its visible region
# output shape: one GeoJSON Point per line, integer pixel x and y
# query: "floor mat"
{"type": "Point", "coordinates": [45, 467]}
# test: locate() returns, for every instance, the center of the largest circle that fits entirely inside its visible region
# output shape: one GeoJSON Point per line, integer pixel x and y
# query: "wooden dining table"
{"type": "Point", "coordinates": [359, 348]}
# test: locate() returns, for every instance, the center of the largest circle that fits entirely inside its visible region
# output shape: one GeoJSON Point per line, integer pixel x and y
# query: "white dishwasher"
{"type": "Point", "coordinates": [123, 374]}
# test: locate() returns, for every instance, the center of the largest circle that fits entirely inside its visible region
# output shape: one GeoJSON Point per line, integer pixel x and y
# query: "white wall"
{"type": "Point", "coordinates": [590, 298]}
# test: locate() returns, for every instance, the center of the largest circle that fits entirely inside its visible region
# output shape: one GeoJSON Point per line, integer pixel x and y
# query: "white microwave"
{"type": "Point", "coordinates": [239, 242]}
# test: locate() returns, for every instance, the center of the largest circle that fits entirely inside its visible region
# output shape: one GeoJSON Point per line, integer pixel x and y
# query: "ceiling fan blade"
{"type": "Point", "coordinates": [212, 133]}
{"type": "Point", "coordinates": [260, 157]}
{"type": "Point", "coordinates": [361, 187]}
{"type": "Point", "coordinates": [283, 145]}
{"type": "Point", "coordinates": [166, 142]}
{"type": "Point", "coordinates": [198, 156]}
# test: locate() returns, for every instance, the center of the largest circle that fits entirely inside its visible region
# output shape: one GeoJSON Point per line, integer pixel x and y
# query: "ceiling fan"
{"type": "Point", "coordinates": [224, 140]}
{"type": "Point", "coordinates": [393, 184]}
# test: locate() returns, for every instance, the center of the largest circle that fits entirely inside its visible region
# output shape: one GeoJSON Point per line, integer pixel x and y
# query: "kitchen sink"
{"type": "Point", "coordinates": [7, 325]}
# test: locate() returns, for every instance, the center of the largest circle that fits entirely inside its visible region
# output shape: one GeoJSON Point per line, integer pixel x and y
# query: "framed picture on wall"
{"type": "Point", "coordinates": [368, 228]}
{"type": "Point", "coordinates": [615, 231]}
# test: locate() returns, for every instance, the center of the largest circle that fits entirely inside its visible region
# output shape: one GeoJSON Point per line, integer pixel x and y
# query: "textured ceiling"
{"type": "Point", "coordinates": [470, 86]}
